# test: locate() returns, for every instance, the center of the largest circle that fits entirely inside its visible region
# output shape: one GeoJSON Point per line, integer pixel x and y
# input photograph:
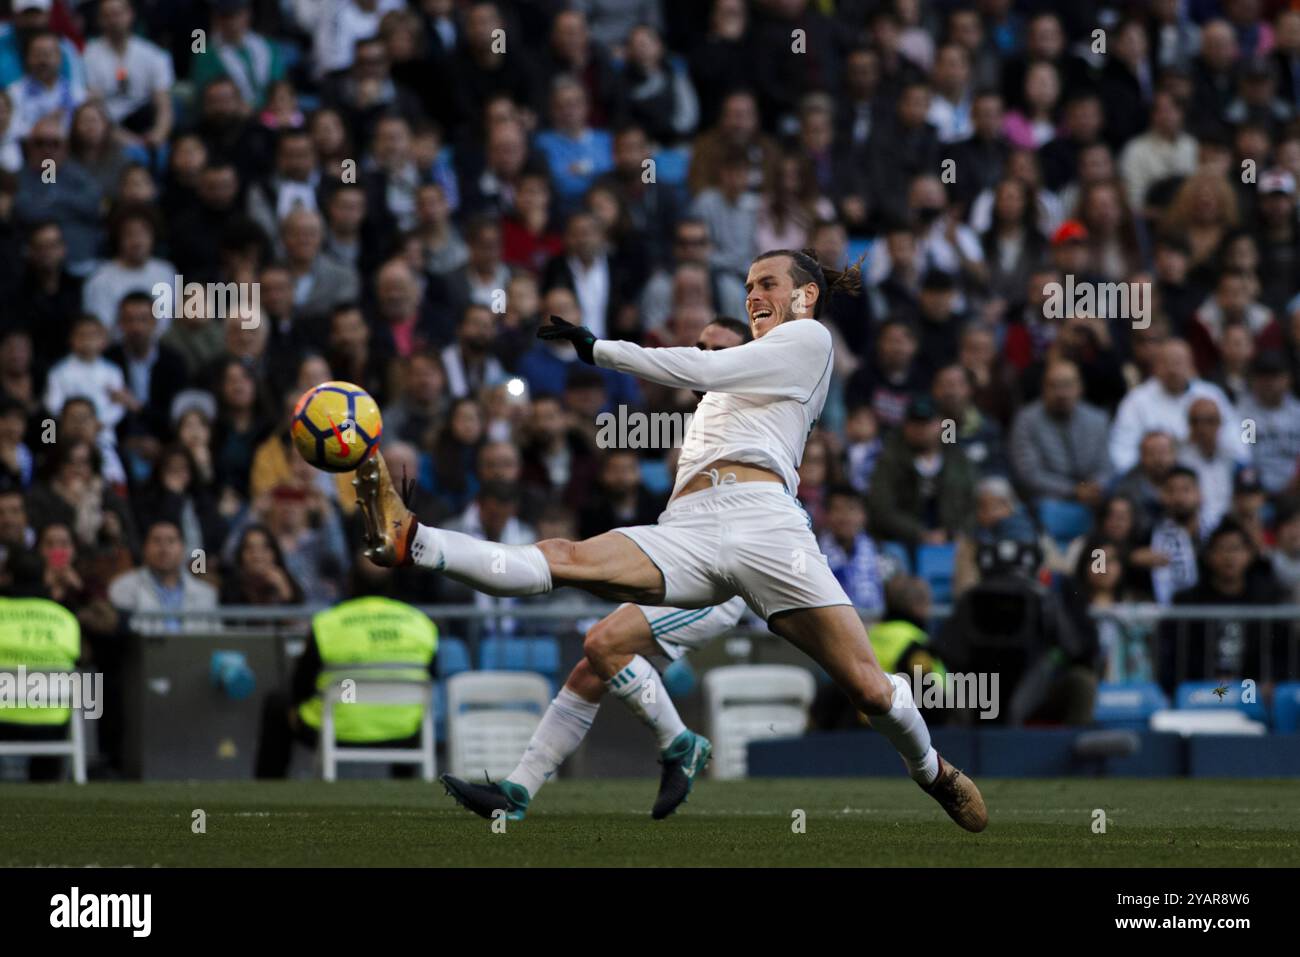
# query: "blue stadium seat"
{"type": "Point", "coordinates": [1286, 707]}
{"type": "Point", "coordinates": [899, 553]}
{"type": "Point", "coordinates": [1199, 695]}
{"type": "Point", "coordinates": [1128, 705]}
{"type": "Point", "coordinates": [655, 477]}
{"type": "Point", "coordinates": [934, 563]}
{"type": "Point", "coordinates": [540, 654]}
{"type": "Point", "coordinates": [453, 656]}
{"type": "Point", "coordinates": [1064, 521]}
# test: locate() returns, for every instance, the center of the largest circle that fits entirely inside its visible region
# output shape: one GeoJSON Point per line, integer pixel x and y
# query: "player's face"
{"type": "Point", "coordinates": [772, 296]}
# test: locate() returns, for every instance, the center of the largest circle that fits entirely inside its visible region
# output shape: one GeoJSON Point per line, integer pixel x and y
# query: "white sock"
{"type": "Point", "coordinates": [562, 728]}
{"type": "Point", "coordinates": [906, 731]}
{"type": "Point", "coordinates": [639, 687]}
{"type": "Point", "coordinates": [501, 570]}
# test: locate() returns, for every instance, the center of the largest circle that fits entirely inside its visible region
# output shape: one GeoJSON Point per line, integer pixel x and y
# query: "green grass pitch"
{"type": "Point", "coordinates": [854, 823]}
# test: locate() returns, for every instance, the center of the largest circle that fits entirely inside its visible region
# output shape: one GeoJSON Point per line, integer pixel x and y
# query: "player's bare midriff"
{"type": "Point", "coordinates": [742, 472]}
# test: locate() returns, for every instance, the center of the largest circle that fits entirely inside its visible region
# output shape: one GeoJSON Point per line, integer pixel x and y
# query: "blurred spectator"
{"type": "Point", "coordinates": [850, 551]}
{"type": "Point", "coordinates": [1224, 648]}
{"type": "Point", "coordinates": [1099, 577]}
{"type": "Point", "coordinates": [234, 50]}
{"type": "Point", "coordinates": [1204, 454]}
{"type": "Point", "coordinates": [71, 200]}
{"type": "Point", "coordinates": [133, 76]}
{"type": "Point", "coordinates": [43, 91]}
{"type": "Point", "coordinates": [163, 584]}
{"type": "Point", "coordinates": [653, 92]}
{"type": "Point", "coordinates": [153, 373]}
{"type": "Point", "coordinates": [1286, 556]}
{"type": "Point", "coordinates": [557, 457]}
{"type": "Point", "coordinates": [85, 372]}
{"type": "Point", "coordinates": [922, 491]}
{"type": "Point", "coordinates": [242, 422]}
{"type": "Point", "coordinates": [737, 131]}
{"type": "Point", "coordinates": [176, 491]}
{"type": "Point", "coordinates": [1272, 412]}
{"type": "Point", "coordinates": [621, 498]}
{"type": "Point", "coordinates": [730, 212]}
{"type": "Point", "coordinates": [133, 233]}
{"type": "Point", "coordinates": [888, 382]}
{"type": "Point", "coordinates": [259, 575]}
{"type": "Point", "coordinates": [415, 416]}
{"type": "Point", "coordinates": [1161, 402]}
{"type": "Point", "coordinates": [575, 152]}
{"type": "Point", "coordinates": [448, 472]}
{"type": "Point", "coordinates": [1058, 443]}
{"type": "Point", "coordinates": [1157, 454]}
{"type": "Point", "coordinates": [999, 517]}
{"type": "Point", "coordinates": [78, 423]}
{"type": "Point", "coordinates": [1165, 150]}
{"type": "Point", "coordinates": [16, 460]}
{"type": "Point", "coordinates": [1176, 536]}
{"type": "Point", "coordinates": [978, 436]}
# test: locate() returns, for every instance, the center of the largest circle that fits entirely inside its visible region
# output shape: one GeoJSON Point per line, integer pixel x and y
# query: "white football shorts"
{"type": "Point", "coordinates": [679, 630]}
{"type": "Point", "coordinates": [751, 539]}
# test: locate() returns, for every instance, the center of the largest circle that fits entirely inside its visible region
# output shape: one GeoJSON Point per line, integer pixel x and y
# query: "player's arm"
{"type": "Point", "coordinates": [787, 362]}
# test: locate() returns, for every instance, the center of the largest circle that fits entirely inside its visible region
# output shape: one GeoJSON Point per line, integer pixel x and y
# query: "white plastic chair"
{"type": "Point", "coordinates": [749, 702]}
{"type": "Point", "coordinates": [1190, 721]}
{"type": "Point", "coordinates": [491, 715]}
{"type": "Point", "coordinates": [74, 746]}
{"type": "Point", "coordinates": [377, 691]}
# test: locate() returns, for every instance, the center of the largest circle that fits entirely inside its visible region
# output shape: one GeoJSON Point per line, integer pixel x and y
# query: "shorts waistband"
{"type": "Point", "coordinates": [709, 497]}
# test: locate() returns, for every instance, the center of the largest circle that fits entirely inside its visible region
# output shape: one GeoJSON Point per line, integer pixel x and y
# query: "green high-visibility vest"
{"type": "Point", "coordinates": [371, 631]}
{"type": "Point", "coordinates": [40, 635]}
{"type": "Point", "coordinates": [891, 641]}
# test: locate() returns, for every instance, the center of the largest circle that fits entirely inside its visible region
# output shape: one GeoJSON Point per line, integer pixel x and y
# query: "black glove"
{"type": "Point", "coordinates": [582, 338]}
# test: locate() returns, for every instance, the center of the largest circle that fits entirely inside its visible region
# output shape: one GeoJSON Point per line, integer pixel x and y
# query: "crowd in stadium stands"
{"type": "Point", "coordinates": [414, 185]}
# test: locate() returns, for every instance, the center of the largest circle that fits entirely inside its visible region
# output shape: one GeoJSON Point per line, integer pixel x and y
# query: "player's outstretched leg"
{"type": "Point", "coordinates": [836, 639]}
{"type": "Point", "coordinates": [609, 566]}
{"type": "Point", "coordinates": [562, 728]}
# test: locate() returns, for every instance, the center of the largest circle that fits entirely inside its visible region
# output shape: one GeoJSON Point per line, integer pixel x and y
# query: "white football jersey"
{"type": "Point", "coordinates": [764, 397]}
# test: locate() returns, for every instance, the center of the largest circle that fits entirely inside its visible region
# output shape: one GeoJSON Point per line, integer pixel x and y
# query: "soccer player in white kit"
{"type": "Point", "coordinates": [732, 526]}
{"type": "Point", "coordinates": [616, 650]}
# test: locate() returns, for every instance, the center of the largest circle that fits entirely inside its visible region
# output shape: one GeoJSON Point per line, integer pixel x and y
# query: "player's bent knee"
{"type": "Point", "coordinates": [601, 641]}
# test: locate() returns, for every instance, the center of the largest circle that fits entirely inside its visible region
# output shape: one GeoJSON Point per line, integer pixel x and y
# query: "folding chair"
{"type": "Point", "coordinates": [491, 715]}
{"type": "Point", "coordinates": [74, 746]}
{"type": "Point", "coordinates": [376, 688]}
{"type": "Point", "coordinates": [749, 702]}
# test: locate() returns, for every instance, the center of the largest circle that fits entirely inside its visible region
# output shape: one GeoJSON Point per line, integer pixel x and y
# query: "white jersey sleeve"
{"type": "Point", "coordinates": [786, 363]}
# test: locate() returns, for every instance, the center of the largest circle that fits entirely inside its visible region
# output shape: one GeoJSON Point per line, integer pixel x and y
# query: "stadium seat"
{"type": "Point", "coordinates": [540, 654]}
{"type": "Point", "coordinates": [898, 552]}
{"type": "Point", "coordinates": [745, 703]}
{"type": "Point", "coordinates": [1064, 521]}
{"type": "Point", "coordinates": [453, 657]}
{"type": "Point", "coordinates": [1286, 707]}
{"type": "Point", "coordinates": [491, 715]}
{"type": "Point", "coordinates": [378, 690]}
{"type": "Point", "coordinates": [1200, 695]}
{"type": "Point", "coordinates": [935, 563]}
{"type": "Point", "coordinates": [74, 746]}
{"type": "Point", "coordinates": [1128, 705]}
